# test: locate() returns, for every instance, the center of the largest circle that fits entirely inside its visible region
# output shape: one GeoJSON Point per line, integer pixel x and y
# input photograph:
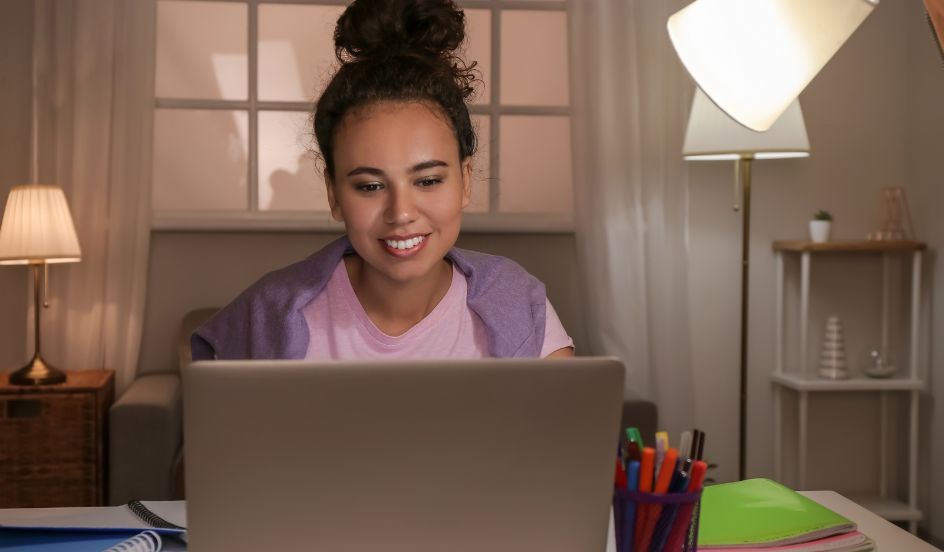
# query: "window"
{"type": "Point", "coordinates": [236, 82]}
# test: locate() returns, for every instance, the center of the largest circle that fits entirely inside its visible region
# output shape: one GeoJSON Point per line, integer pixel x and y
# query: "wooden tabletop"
{"type": "Point", "coordinates": [849, 246]}
{"type": "Point", "coordinates": [76, 380]}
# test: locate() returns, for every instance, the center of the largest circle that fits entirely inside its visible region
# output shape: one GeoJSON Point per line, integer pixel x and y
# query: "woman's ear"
{"type": "Point", "coordinates": [466, 182]}
{"type": "Point", "coordinates": [332, 199]}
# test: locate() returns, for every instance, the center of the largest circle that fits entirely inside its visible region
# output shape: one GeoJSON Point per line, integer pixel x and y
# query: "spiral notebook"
{"type": "Point", "coordinates": [760, 513]}
{"type": "Point", "coordinates": [149, 526]}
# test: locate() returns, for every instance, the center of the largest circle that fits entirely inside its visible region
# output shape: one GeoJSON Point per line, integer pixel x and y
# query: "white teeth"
{"type": "Point", "coordinates": [404, 244]}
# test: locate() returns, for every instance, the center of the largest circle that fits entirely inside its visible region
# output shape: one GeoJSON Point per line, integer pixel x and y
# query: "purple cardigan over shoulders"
{"type": "Point", "coordinates": [266, 320]}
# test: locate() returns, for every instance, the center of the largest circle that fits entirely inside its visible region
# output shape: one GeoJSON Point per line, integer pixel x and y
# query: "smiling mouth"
{"type": "Point", "coordinates": [404, 248]}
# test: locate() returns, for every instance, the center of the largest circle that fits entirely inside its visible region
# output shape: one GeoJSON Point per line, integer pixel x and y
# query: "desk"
{"type": "Point", "coordinates": [886, 535]}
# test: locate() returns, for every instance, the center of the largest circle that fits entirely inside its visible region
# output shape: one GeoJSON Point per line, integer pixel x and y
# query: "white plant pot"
{"type": "Point", "coordinates": [819, 230]}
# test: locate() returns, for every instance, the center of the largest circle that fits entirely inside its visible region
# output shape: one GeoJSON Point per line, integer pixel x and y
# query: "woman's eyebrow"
{"type": "Point", "coordinates": [373, 171]}
{"type": "Point", "coordinates": [428, 165]}
{"type": "Point", "coordinates": [366, 170]}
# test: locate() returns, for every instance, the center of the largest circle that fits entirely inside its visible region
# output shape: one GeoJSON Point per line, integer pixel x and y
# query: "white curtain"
{"type": "Point", "coordinates": [95, 68]}
{"type": "Point", "coordinates": [631, 100]}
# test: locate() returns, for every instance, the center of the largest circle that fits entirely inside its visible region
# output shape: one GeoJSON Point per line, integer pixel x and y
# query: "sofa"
{"type": "Point", "coordinates": [145, 449]}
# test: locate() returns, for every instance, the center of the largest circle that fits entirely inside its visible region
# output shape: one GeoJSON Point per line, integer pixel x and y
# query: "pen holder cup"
{"type": "Point", "coordinates": [649, 522]}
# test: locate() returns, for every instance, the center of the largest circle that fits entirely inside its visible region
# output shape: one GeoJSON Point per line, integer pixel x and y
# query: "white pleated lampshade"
{"type": "Point", "coordinates": [37, 227]}
{"type": "Point", "coordinates": [712, 135]}
{"type": "Point", "coordinates": [754, 57]}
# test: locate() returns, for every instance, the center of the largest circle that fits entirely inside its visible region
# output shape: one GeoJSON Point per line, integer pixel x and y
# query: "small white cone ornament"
{"type": "Point", "coordinates": [832, 365]}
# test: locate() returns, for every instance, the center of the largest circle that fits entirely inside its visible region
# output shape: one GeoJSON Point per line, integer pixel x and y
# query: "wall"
{"type": "Point", "coordinates": [189, 270]}
{"type": "Point", "coordinates": [861, 140]}
{"type": "Point", "coordinates": [925, 185]}
{"type": "Point", "coordinates": [16, 37]}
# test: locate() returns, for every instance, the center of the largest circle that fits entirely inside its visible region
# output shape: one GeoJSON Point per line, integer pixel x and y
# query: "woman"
{"type": "Point", "coordinates": [397, 142]}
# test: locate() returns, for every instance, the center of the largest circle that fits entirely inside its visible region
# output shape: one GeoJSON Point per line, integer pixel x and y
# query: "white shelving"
{"type": "Point", "coordinates": [888, 508]}
{"type": "Point", "coordinates": [801, 380]}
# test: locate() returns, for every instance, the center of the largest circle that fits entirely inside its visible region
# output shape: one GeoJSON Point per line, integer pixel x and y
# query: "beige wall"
{"type": "Point", "coordinates": [189, 270]}
{"type": "Point", "coordinates": [874, 117]}
{"type": "Point", "coordinates": [925, 183]}
{"type": "Point", "coordinates": [16, 38]}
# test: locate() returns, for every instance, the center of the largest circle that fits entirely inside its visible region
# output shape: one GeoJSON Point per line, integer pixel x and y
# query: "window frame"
{"type": "Point", "coordinates": [252, 219]}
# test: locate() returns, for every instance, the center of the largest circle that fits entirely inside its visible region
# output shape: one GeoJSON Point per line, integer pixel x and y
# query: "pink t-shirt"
{"type": "Point", "coordinates": [339, 327]}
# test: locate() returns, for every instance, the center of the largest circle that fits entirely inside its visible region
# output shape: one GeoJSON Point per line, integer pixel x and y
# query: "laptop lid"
{"type": "Point", "coordinates": [496, 455]}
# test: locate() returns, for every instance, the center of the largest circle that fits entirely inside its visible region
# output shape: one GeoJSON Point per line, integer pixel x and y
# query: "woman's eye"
{"type": "Point", "coordinates": [368, 187]}
{"type": "Point", "coordinates": [431, 181]}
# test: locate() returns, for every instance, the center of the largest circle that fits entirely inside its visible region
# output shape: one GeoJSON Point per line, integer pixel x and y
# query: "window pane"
{"type": "Point", "coordinates": [479, 49]}
{"type": "Point", "coordinates": [480, 166]}
{"type": "Point", "coordinates": [200, 160]}
{"type": "Point", "coordinates": [288, 179]}
{"type": "Point", "coordinates": [201, 50]}
{"type": "Point", "coordinates": [534, 58]}
{"type": "Point", "coordinates": [536, 174]}
{"type": "Point", "coordinates": [296, 51]}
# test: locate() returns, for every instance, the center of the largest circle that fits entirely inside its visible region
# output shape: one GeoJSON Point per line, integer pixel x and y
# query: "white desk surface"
{"type": "Point", "coordinates": [888, 537]}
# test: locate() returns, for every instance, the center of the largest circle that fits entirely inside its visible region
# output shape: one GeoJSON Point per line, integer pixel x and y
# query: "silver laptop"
{"type": "Point", "coordinates": [419, 456]}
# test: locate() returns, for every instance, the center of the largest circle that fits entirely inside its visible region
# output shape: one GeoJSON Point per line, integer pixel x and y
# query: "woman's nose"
{"type": "Point", "coordinates": [401, 207]}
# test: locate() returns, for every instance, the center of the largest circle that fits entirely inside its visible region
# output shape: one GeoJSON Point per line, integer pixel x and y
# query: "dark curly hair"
{"type": "Point", "coordinates": [398, 51]}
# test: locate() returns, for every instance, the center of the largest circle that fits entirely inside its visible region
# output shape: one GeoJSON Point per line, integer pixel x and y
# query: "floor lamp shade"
{"type": "Point", "coordinates": [754, 57]}
{"type": "Point", "coordinates": [713, 136]}
{"type": "Point", "coordinates": [37, 227]}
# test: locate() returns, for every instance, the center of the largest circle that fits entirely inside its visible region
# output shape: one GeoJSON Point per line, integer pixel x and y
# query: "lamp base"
{"type": "Point", "coordinates": [37, 372]}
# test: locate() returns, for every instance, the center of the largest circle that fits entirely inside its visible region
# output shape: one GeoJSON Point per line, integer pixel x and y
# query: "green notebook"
{"type": "Point", "coordinates": [760, 512]}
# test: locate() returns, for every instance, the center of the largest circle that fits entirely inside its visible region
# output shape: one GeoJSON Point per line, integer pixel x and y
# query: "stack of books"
{"type": "Point", "coordinates": [760, 515]}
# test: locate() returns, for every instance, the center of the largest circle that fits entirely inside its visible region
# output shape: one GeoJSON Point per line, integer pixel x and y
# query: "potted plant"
{"type": "Point", "coordinates": [820, 226]}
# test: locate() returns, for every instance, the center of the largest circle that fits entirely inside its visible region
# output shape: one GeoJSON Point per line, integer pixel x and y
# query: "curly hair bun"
{"type": "Point", "coordinates": [380, 28]}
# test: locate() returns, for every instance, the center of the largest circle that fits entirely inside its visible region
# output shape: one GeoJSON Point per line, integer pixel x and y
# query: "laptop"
{"type": "Point", "coordinates": [419, 456]}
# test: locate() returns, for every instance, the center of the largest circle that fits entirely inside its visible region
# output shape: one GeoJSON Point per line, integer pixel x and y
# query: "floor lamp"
{"type": "Point", "coordinates": [713, 136]}
{"type": "Point", "coordinates": [752, 58]}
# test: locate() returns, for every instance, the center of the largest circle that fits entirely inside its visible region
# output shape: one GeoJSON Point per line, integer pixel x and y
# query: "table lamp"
{"type": "Point", "coordinates": [37, 230]}
{"type": "Point", "coordinates": [714, 136]}
{"type": "Point", "coordinates": [754, 57]}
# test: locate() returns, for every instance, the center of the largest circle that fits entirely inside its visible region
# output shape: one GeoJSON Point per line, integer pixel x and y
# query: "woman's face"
{"type": "Point", "coordinates": [399, 187]}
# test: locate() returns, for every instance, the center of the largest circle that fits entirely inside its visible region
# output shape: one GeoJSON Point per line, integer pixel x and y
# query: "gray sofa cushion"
{"type": "Point", "coordinates": [144, 437]}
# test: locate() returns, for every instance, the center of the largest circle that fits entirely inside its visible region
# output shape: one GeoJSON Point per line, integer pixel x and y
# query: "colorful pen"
{"type": "Point", "coordinates": [698, 446]}
{"type": "Point", "coordinates": [678, 485]}
{"type": "Point", "coordinates": [619, 480]}
{"type": "Point", "coordinates": [683, 517]}
{"type": "Point", "coordinates": [653, 511]}
{"type": "Point", "coordinates": [685, 444]}
{"type": "Point", "coordinates": [646, 470]}
{"type": "Point", "coordinates": [629, 512]}
{"type": "Point", "coordinates": [633, 434]}
{"type": "Point", "coordinates": [660, 455]}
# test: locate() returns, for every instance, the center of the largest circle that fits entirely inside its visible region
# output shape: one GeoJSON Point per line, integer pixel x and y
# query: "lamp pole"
{"type": "Point", "coordinates": [744, 163]}
{"type": "Point", "coordinates": [37, 371]}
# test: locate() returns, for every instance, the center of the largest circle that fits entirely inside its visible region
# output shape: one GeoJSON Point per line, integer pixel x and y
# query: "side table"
{"type": "Point", "coordinates": [52, 441]}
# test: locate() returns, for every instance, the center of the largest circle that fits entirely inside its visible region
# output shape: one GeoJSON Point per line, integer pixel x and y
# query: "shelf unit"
{"type": "Point", "coordinates": [802, 382]}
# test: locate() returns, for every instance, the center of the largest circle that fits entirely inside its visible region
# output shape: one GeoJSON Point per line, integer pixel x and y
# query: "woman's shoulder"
{"type": "Point", "coordinates": [509, 300]}
{"type": "Point", "coordinates": [299, 280]}
{"type": "Point", "coordinates": [265, 320]}
{"type": "Point", "coordinates": [486, 269]}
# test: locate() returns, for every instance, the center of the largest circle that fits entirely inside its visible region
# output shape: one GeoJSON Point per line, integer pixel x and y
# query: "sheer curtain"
{"type": "Point", "coordinates": [631, 100]}
{"type": "Point", "coordinates": [94, 63]}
